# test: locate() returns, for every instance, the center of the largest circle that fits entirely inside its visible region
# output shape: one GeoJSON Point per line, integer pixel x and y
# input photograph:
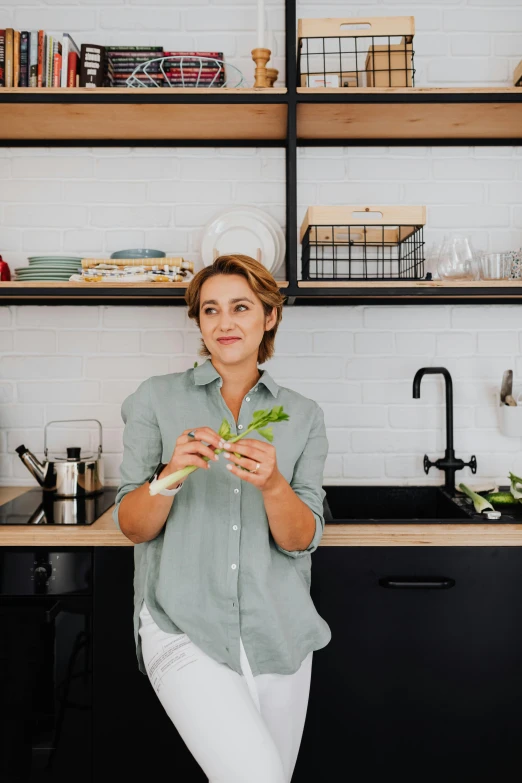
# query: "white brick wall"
{"type": "Point", "coordinates": [357, 362]}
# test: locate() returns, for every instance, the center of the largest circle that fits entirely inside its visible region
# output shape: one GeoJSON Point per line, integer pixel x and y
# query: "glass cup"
{"type": "Point", "coordinates": [495, 266]}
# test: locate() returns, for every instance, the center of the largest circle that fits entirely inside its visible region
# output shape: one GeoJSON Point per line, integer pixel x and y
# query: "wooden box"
{"type": "Point", "coordinates": [390, 66]}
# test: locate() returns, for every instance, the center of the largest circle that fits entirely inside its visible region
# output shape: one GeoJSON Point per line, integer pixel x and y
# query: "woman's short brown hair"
{"type": "Point", "coordinates": [260, 281]}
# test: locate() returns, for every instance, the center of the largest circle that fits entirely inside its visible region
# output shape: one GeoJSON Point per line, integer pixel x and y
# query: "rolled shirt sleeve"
{"type": "Point", "coordinates": [307, 480]}
{"type": "Point", "coordinates": [141, 441]}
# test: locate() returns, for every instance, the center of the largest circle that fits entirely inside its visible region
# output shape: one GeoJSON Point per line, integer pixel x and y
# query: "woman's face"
{"type": "Point", "coordinates": [229, 308]}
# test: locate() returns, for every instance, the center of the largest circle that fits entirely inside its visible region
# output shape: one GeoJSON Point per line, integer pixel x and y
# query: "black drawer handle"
{"type": "Point", "coordinates": [416, 582]}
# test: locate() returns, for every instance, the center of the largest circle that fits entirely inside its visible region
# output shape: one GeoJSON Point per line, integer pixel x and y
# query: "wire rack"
{"type": "Point", "coordinates": [374, 52]}
{"type": "Point", "coordinates": [346, 249]}
{"type": "Point", "coordinates": [185, 71]}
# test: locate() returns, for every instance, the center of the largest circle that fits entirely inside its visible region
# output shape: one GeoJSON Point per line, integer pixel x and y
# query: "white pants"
{"type": "Point", "coordinates": [239, 728]}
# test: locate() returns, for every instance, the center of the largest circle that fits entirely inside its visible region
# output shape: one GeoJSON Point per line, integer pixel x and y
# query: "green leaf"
{"type": "Point", "coordinates": [195, 364]}
{"type": "Point", "coordinates": [224, 430]}
{"type": "Point", "coordinates": [267, 433]}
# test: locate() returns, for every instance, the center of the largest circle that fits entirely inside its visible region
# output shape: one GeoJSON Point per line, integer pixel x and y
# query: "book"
{"type": "Point", "coordinates": [73, 70]}
{"type": "Point", "coordinates": [134, 48]}
{"type": "Point", "coordinates": [16, 57]}
{"type": "Point", "coordinates": [24, 59]}
{"type": "Point", "coordinates": [2, 58]}
{"type": "Point", "coordinates": [68, 47]}
{"type": "Point", "coordinates": [92, 66]}
{"type": "Point", "coordinates": [9, 44]}
{"type": "Point", "coordinates": [57, 63]}
{"type": "Point", "coordinates": [49, 62]}
{"type": "Point", "coordinates": [40, 78]}
{"type": "Point", "coordinates": [33, 58]}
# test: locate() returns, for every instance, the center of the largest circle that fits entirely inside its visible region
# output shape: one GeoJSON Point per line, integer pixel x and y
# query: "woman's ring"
{"type": "Point", "coordinates": [192, 434]}
{"type": "Point", "coordinates": [258, 465]}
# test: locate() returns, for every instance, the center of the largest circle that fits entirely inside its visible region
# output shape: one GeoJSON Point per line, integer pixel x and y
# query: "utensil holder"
{"type": "Point", "coordinates": [510, 418]}
{"type": "Point", "coordinates": [356, 52]}
{"type": "Point", "coordinates": [363, 243]}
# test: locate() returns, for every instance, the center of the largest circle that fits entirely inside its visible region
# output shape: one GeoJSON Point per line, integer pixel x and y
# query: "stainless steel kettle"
{"type": "Point", "coordinates": [70, 476]}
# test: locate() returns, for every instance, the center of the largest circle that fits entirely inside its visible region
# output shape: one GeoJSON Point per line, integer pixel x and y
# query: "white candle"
{"type": "Point", "coordinates": [260, 23]}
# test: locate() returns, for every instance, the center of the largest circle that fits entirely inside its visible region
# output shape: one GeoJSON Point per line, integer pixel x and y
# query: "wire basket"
{"type": "Point", "coordinates": [374, 52]}
{"type": "Point", "coordinates": [363, 243]}
{"type": "Point", "coordinates": [185, 71]}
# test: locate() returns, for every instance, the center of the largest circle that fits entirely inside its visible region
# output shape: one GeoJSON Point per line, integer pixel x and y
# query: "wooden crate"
{"type": "Point", "coordinates": [342, 28]}
{"type": "Point", "coordinates": [390, 66]}
{"type": "Point", "coordinates": [398, 217]}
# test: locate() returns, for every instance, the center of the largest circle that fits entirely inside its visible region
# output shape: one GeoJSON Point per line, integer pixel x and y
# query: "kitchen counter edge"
{"type": "Point", "coordinates": [105, 533]}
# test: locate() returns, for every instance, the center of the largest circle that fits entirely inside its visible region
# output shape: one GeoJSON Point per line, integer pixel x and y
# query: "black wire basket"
{"type": "Point", "coordinates": [374, 52]}
{"type": "Point", "coordinates": [363, 243]}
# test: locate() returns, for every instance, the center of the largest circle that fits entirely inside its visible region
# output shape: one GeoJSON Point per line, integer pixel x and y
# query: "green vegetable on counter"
{"type": "Point", "coordinates": [259, 421]}
{"type": "Point", "coordinates": [500, 498]}
{"type": "Point", "coordinates": [480, 503]}
{"type": "Point", "coordinates": [516, 486]}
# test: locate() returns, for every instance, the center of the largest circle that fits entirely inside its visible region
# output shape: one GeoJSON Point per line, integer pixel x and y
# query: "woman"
{"type": "Point", "coordinates": [224, 624]}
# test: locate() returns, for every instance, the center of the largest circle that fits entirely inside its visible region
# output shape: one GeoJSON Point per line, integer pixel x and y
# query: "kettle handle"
{"type": "Point", "coordinates": [65, 421]}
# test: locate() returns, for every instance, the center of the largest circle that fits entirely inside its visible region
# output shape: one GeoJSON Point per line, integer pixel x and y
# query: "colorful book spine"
{"type": "Point", "coordinates": [40, 81]}
{"type": "Point", "coordinates": [33, 58]}
{"type": "Point", "coordinates": [9, 52]}
{"type": "Point", "coordinates": [73, 69]}
{"type": "Point", "coordinates": [16, 57]}
{"type": "Point", "coordinates": [57, 69]}
{"type": "Point", "coordinates": [2, 58]}
{"type": "Point", "coordinates": [24, 59]}
{"type": "Point", "coordinates": [49, 61]}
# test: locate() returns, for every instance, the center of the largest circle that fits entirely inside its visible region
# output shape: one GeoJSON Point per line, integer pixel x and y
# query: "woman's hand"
{"type": "Point", "coordinates": [253, 452]}
{"type": "Point", "coordinates": [192, 450]}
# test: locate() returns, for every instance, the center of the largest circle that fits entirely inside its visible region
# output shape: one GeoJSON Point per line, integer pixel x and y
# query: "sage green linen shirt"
{"type": "Point", "coordinates": [215, 571]}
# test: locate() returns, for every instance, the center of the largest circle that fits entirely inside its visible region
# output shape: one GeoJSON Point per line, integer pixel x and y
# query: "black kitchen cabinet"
{"type": "Point", "coordinates": [134, 740]}
{"type": "Point", "coordinates": [422, 679]}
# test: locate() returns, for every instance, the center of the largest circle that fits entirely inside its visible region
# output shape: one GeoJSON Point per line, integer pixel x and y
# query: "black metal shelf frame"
{"type": "Point", "coordinates": [292, 98]}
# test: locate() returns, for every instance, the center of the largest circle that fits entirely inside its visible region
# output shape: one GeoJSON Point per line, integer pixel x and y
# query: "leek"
{"type": "Point", "coordinates": [259, 422]}
{"type": "Point", "coordinates": [480, 503]}
{"type": "Point", "coordinates": [516, 486]}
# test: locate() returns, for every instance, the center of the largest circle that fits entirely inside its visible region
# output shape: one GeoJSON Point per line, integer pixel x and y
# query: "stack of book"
{"type": "Point", "coordinates": [122, 60]}
{"type": "Point", "coordinates": [34, 58]}
{"type": "Point", "coordinates": [196, 69]}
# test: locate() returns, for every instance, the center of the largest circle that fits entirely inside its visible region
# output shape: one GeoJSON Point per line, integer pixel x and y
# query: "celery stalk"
{"type": "Point", "coordinates": [259, 421]}
{"type": "Point", "coordinates": [480, 503]}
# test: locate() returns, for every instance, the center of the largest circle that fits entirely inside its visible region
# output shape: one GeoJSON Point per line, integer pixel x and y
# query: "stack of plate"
{"type": "Point", "coordinates": [245, 230]}
{"type": "Point", "coordinates": [49, 268]}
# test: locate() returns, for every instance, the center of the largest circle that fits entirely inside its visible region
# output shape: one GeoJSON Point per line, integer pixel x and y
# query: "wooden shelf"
{"type": "Point", "coordinates": [169, 114]}
{"type": "Point", "coordinates": [409, 113]}
{"type": "Point", "coordinates": [40, 292]}
{"type": "Point", "coordinates": [306, 292]}
{"type": "Point", "coordinates": [414, 291]}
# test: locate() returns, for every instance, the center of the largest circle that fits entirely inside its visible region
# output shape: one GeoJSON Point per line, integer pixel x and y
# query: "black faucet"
{"type": "Point", "coordinates": [450, 464]}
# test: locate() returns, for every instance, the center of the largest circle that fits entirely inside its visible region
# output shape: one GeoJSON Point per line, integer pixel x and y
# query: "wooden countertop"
{"type": "Point", "coordinates": [105, 533]}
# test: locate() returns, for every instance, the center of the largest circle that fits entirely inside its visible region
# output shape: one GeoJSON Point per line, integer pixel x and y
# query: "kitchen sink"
{"type": "Point", "coordinates": [391, 504]}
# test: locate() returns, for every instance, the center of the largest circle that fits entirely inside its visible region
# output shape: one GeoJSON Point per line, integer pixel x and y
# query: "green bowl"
{"type": "Point", "coordinates": [139, 252]}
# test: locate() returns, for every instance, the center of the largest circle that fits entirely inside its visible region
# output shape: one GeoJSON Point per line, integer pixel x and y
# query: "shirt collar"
{"type": "Point", "coordinates": [206, 372]}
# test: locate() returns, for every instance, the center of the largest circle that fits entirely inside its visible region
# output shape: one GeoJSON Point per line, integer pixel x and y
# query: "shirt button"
{"type": "Point", "coordinates": [236, 491]}
{"type": "Point", "coordinates": [240, 426]}
{"type": "Point", "coordinates": [255, 389]}
{"type": "Point", "coordinates": [233, 566]}
{"type": "Point", "coordinates": [234, 527]}
{"type": "Point", "coordinates": [248, 399]}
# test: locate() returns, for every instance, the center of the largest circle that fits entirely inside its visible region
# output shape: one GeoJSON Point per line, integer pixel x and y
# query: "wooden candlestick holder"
{"type": "Point", "coordinates": [271, 75]}
{"type": "Point", "coordinates": [261, 57]}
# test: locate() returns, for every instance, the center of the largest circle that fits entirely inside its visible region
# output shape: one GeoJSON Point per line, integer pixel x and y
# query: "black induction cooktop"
{"type": "Point", "coordinates": [36, 507]}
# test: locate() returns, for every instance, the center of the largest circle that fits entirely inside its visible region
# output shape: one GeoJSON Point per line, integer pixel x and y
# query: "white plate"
{"type": "Point", "coordinates": [239, 231]}
{"type": "Point", "coordinates": [275, 228]}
